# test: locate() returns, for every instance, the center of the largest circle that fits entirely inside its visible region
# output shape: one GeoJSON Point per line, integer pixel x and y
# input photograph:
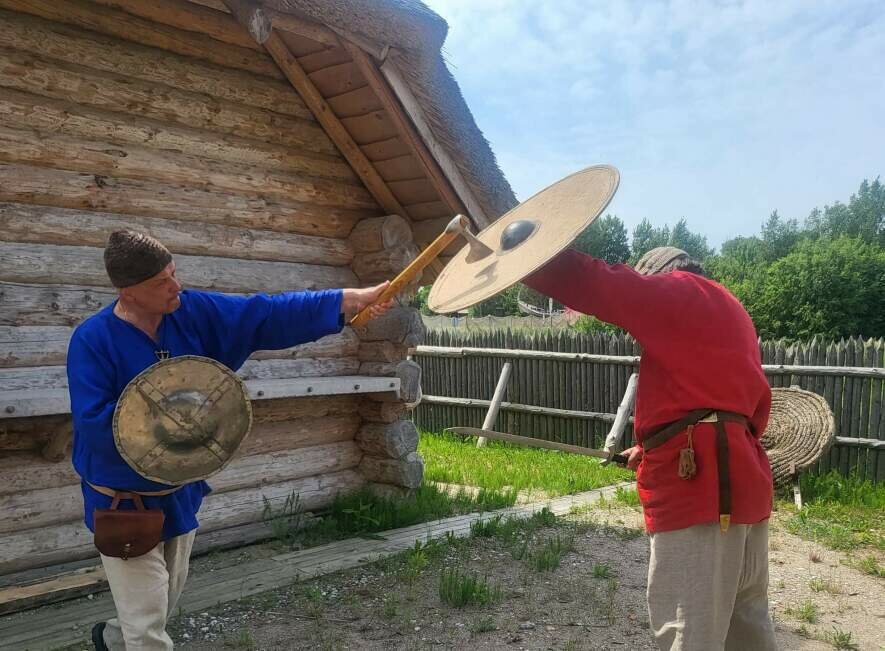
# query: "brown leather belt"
{"type": "Point", "coordinates": [718, 418]}
{"type": "Point", "coordinates": [127, 495]}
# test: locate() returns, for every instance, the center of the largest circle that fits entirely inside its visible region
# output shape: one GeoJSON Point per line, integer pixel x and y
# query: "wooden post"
{"type": "Point", "coordinates": [492, 413]}
{"type": "Point", "coordinates": [615, 435]}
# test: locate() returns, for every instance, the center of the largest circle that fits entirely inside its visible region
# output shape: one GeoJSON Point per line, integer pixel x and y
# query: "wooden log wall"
{"type": "Point", "coordinates": [858, 404]}
{"type": "Point", "coordinates": [169, 118]}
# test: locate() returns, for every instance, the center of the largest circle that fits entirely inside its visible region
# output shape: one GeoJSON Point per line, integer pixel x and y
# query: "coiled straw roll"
{"type": "Point", "coordinates": [801, 428]}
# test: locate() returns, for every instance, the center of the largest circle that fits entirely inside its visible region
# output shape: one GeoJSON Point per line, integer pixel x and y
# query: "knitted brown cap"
{"type": "Point", "coordinates": [661, 260]}
{"type": "Point", "coordinates": [131, 258]}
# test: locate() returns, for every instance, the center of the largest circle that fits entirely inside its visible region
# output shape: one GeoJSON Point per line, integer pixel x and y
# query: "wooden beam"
{"type": "Point", "coordinates": [336, 131]}
{"type": "Point", "coordinates": [440, 155]}
{"type": "Point", "coordinates": [406, 129]}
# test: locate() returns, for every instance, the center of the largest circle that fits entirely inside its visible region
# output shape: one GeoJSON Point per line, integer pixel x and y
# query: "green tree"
{"type": "Point", "coordinates": [830, 287]}
{"type": "Point", "coordinates": [646, 237]}
{"type": "Point", "coordinates": [779, 236]}
{"type": "Point", "coordinates": [863, 217]}
{"type": "Point", "coordinates": [420, 300]}
{"type": "Point", "coordinates": [694, 244]}
{"type": "Point", "coordinates": [606, 239]}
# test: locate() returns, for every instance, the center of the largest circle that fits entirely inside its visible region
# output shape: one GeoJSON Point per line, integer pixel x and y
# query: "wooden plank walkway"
{"type": "Point", "coordinates": [63, 624]}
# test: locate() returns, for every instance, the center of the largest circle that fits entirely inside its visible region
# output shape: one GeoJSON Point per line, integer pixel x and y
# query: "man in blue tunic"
{"type": "Point", "coordinates": [152, 319]}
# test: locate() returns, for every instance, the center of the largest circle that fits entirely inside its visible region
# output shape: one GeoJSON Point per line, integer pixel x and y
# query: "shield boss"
{"type": "Point", "coordinates": [182, 419]}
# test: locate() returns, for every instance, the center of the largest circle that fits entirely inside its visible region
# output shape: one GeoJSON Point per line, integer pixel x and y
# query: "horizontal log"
{"type": "Point", "coordinates": [22, 471]}
{"type": "Point", "coordinates": [526, 409]}
{"type": "Point", "coordinates": [24, 403]}
{"type": "Point", "coordinates": [60, 504]}
{"type": "Point", "coordinates": [444, 351]}
{"type": "Point", "coordinates": [144, 163]}
{"type": "Point", "coordinates": [45, 39]}
{"type": "Point", "coordinates": [837, 371]}
{"type": "Point", "coordinates": [399, 325]}
{"type": "Point", "coordinates": [376, 351]}
{"type": "Point", "coordinates": [871, 444]}
{"type": "Point", "coordinates": [55, 377]}
{"type": "Point", "coordinates": [22, 303]}
{"type": "Point", "coordinates": [47, 225]}
{"type": "Point", "coordinates": [120, 24]}
{"type": "Point", "coordinates": [291, 409]}
{"type": "Point", "coordinates": [380, 233]}
{"type": "Point", "coordinates": [81, 265]}
{"type": "Point", "coordinates": [48, 345]}
{"type": "Point", "coordinates": [33, 345]}
{"type": "Point", "coordinates": [28, 111]}
{"type": "Point", "coordinates": [71, 189]}
{"type": "Point", "coordinates": [394, 440]}
{"type": "Point", "coordinates": [68, 542]}
{"type": "Point", "coordinates": [375, 411]}
{"type": "Point", "coordinates": [406, 472]}
{"type": "Point", "coordinates": [378, 266]}
{"type": "Point", "coordinates": [125, 96]}
{"type": "Point", "coordinates": [632, 360]}
{"type": "Point", "coordinates": [189, 17]}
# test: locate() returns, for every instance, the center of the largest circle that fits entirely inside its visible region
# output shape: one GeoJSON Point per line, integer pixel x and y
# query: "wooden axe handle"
{"type": "Point", "coordinates": [408, 274]}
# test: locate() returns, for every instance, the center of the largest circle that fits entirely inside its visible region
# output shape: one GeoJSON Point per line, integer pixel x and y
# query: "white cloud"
{"type": "Point", "coordinates": [718, 112]}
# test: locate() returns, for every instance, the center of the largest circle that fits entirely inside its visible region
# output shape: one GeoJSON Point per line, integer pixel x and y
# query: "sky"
{"type": "Point", "coordinates": [716, 112]}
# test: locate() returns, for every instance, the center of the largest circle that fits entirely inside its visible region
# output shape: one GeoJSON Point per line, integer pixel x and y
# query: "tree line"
{"type": "Point", "coordinates": [822, 276]}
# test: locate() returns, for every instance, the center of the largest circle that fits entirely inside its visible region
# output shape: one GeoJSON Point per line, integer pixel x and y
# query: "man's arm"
{"type": "Point", "coordinates": [613, 293]}
{"type": "Point", "coordinates": [233, 327]}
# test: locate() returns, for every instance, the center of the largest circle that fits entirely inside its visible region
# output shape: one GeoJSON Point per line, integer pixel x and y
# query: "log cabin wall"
{"type": "Point", "coordinates": [169, 117]}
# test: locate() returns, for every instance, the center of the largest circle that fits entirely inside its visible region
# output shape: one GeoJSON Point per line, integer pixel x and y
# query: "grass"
{"type": "Point", "coordinates": [820, 584]}
{"type": "Point", "coordinates": [602, 571]}
{"type": "Point", "coordinates": [840, 639]}
{"type": "Point", "coordinates": [550, 554]}
{"type": "Point", "coordinates": [460, 589]}
{"type": "Point", "coordinates": [501, 466]}
{"type": "Point", "coordinates": [363, 513]}
{"type": "Point", "coordinates": [242, 641]}
{"type": "Point", "coordinates": [842, 513]}
{"type": "Point", "coordinates": [868, 565]}
{"type": "Point", "coordinates": [806, 612]}
{"type": "Point", "coordinates": [485, 624]}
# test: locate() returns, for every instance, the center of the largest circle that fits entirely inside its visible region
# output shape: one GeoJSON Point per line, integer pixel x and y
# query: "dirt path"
{"type": "Point", "coordinates": [595, 599]}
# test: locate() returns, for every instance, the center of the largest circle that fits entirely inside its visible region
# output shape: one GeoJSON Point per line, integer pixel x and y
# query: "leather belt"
{"type": "Point", "coordinates": [127, 495]}
{"type": "Point", "coordinates": [718, 418]}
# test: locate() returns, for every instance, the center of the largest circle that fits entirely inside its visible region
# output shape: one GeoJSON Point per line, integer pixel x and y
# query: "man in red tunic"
{"type": "Point", "coordinates": [702, 404]}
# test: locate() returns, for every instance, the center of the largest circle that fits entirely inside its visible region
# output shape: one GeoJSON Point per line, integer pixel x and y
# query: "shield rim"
{"type": "Point", "coordinates": [130, 387]}
{"type": "Point", "coordinates": [460, 257]}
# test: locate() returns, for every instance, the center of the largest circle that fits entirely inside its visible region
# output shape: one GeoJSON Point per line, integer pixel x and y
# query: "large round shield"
{"type": "Point", "coordinates": [525, 239]}
{"type": "Point", "coordinates": [182, 419]}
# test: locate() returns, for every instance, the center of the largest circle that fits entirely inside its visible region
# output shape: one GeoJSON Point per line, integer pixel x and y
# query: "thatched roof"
{"type": "Point", "coordinates": [416, 35]}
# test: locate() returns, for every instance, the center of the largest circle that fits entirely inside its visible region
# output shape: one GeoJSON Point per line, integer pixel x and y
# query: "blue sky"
{"type": "Point", "coordinates": [719, 112]}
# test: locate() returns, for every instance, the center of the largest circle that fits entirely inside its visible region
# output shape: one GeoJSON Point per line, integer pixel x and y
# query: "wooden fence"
{"type": "Point", "coordinates": [563, 387]}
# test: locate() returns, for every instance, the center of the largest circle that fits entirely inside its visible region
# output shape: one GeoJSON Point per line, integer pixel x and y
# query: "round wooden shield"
{"type": "Point", "coordinates": [525, 239]}
{"type": "Point", "coordinates": [182, 419]}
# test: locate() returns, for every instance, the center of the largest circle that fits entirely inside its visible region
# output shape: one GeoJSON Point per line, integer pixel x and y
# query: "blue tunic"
{"type": "Point", "coordinates": [106, 352]}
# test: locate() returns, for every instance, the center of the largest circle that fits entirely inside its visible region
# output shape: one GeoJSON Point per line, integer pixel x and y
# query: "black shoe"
{"type": "Point", "coordinates": [98, 637]}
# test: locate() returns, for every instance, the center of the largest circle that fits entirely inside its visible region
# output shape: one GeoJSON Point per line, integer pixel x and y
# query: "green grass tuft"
{"type": "Point", "coordinates": [460, 589]}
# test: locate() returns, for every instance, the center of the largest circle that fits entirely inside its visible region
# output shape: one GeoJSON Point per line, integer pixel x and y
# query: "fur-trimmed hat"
{"type": "Point", "coordinates": [131, 257]}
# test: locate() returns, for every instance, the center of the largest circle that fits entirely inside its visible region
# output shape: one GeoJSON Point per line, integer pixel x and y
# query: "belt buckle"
{"type": "Point", "coordinates": [712, 418]}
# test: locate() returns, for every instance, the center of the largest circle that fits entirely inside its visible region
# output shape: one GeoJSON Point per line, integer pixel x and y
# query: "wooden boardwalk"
{"type": "Point", "coordinates": [63, 624]}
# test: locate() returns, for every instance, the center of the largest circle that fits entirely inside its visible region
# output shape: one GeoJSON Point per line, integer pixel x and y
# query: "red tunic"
{"type": "Point", "coordinates": [699, 350]}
